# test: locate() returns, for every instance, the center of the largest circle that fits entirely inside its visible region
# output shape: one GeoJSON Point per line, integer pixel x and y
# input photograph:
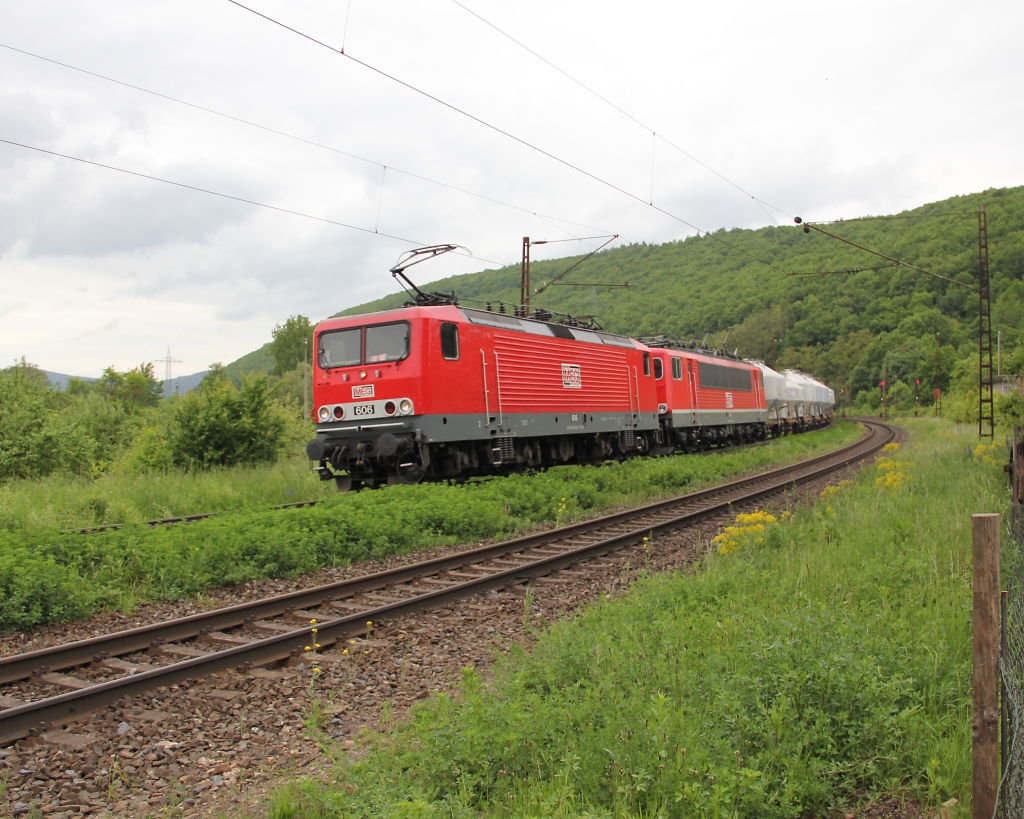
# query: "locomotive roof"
{"type": "Point", "coordinates": [706, 355]}
{"type": "Point", "coordinates": [502, 321]}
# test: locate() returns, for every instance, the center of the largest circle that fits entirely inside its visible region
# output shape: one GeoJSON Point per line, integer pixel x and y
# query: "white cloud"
{"type": "Point", "coordinates": [826, 111]}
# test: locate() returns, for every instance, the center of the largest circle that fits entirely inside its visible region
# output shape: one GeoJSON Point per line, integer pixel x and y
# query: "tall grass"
{"type": "Point", "coordinates": [47, 576]}
{"type": "Point", "coordinates": [70, 501]}
{"type": "Point", "coordinates": [815, 662]}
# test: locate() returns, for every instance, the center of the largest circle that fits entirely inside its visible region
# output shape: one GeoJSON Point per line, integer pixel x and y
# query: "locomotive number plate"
{"type": "Point", "coordinates": [362, 409]}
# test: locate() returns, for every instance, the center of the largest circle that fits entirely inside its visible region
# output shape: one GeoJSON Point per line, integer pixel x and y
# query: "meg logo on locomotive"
{"type": "Point", "coordinates": [572, 379]}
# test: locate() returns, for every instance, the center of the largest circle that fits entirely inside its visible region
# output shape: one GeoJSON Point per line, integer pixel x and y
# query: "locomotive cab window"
{"type": "Point", "coordinates": [647, 364]}
{"type": "Point", "coordinates": [363, 345]}
{"type": "Point", "coordinates": [449, 341]}
{"type": "Point", "coordinates": [387, 342]}
{"type": "Point", "coordinates": [659, 369]}
{"type": "Point", "coordinates": [677, 369]}
{"type": "Point", "coordinates": [341, 348]}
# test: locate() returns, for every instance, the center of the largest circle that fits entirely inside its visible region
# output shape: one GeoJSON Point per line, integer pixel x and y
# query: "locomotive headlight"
{"type": "Point", "coordinates": [325, 413]}
{"type": "Point", "coordinates": [662, 408]}
{"type": "Point", "coordinates": [405, 406]}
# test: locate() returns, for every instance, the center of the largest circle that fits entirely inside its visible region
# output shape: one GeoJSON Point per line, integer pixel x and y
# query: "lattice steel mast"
{"type": "Point", "coordinates": [986, 405]}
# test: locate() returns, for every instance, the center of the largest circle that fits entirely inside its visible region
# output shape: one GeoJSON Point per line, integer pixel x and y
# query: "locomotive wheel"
{"type": "Point", "coordinates": [344, 483]}
{"type": "Point", "coordinates": [407, 474]}
{"type": "Point", "coordinates": [565, 450]}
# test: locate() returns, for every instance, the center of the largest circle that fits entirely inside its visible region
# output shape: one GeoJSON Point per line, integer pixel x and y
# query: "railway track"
{"type": "Point", "coordinates": [37, 692]}
{"type": "Point", "coordinates": [152, 524]}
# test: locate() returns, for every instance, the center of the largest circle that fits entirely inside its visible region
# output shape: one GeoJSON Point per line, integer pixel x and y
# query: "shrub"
{"type": "Point", "coordinates": [222, 426]}
{"type": "Point", "coordinates": [36, 589]}
{"type": "Point", "coordinates": [37, 438]}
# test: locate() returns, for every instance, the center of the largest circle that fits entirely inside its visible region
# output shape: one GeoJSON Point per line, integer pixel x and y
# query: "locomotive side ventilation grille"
{"type": "Point", "coordinates": [627, 439]}
{"type": "Point", "coordinates": [504, 451]}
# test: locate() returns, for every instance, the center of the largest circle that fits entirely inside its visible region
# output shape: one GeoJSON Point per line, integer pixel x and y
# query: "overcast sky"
{"type": "Point", "coordinates": [823, 110]}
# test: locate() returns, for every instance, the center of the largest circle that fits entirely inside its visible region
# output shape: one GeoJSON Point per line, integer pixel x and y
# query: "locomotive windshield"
{"type": "Point", "coordinates": [345, 348]}
{"type": "Point", "coordinates": [341, 348]}
{"type": "Point", "coordinates": [387, 342]}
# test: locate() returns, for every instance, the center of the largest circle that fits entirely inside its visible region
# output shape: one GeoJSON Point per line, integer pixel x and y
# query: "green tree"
{"type": "Point", "coordinates": [134, 389]}
{"type": "Point", "coordinates": [754, 336]}
{"type": "Point", "coordinates": [36, 438]}
{"type": "Point", "coordinates": [1013, 363]}
{"type": "Point", "coordinates": [293, 342]}
{"type": "Point", "coordinates": [1010, 409]}
{"type": "Point", "coordinates": [79, 386]}
{"type": "Point", "coordinates": [216, 375]}
{"type": "Point", "coordinates": [223, 426]}
{"type": "Point", "coordinates": [110, 425]}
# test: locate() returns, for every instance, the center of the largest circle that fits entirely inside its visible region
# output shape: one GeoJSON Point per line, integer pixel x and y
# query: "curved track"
{"type": "Point", "coordinates": [266, 632]}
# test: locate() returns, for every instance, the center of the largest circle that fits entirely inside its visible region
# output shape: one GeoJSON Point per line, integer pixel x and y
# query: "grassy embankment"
{"type": "Point", "coordinates": [813, 663]}
{"type": "Point", "coordinates": [73, 501]}
{"type": "Point", "coordinates": [45, 576]}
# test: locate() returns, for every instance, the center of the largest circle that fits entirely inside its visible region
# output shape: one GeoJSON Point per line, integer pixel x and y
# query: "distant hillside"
{"type": "Point", "coordinates": [60, 380]}
{"type": "Point", "coordinates": [258, 361]}
{"type": "Point", "coordinates": [833, 310]}
{"type": "Point", "coordinates": [182, 384]}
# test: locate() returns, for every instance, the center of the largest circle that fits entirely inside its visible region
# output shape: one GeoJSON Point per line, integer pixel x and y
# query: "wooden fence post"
{"type": "Point", "coordinates": [1016, 468]}
{"type": "Point", "coordinates": [985, 724]}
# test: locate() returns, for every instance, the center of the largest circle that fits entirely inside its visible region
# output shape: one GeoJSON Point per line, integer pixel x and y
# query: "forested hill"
{"type": "Point", "coordinates": [841, 327]}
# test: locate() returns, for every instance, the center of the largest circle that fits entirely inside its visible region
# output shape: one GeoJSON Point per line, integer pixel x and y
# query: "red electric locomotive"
{"type": "Point", "coordinates": [707, 398]}
{"type": "Point", "coordinates": [442, 391]}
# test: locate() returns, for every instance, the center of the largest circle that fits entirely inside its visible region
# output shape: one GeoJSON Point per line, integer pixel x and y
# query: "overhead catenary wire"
{"type": "Point", "coordinates": [808, 226]}
{"type": "Point", "coordinates": [576, 264]}
{"type": "Point", "coordinates": [625, 113]}
{"type": "Point", "coordinates": [344, 31]}
{"type": "Point", "coordinates": [654, 147]}
{"type": "Point", "coordinates": [894, 262]}
{"type": "Point", "coordinates": [503, 132]}
{"type": "Point", "coordinates": [380, 201]}
{"type": "Point", "coordinates": [559, 227]}
{"type": "Point", "coordinates": [230, 196]}
{"type": "Point", "coordinates": [297, 138]}
{"type": "Point", "coordinates": [897, 216]}
{"type": "Point", "coordinates": [845, 270]}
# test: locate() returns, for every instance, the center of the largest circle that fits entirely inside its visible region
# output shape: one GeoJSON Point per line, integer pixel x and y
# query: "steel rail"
{"type": "Point", "coordinates": [152, 524]}
{"type": "Point", "coordinates": [19, 721]}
